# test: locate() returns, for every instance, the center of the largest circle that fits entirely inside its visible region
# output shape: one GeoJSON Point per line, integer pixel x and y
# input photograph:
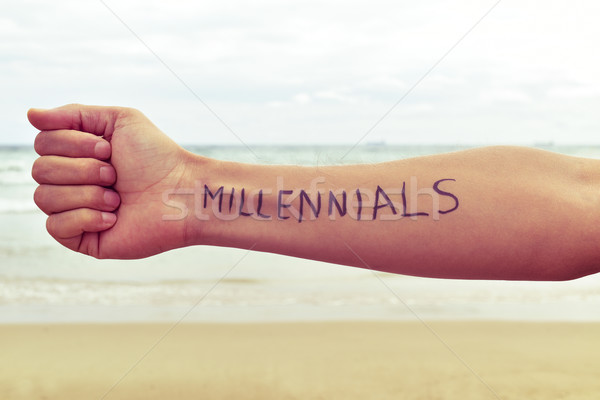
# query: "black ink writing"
{"type": "Point", "coordinates": [436, 187]}
{"type": "Point", "coordinates": [251, 204]}
{"type": "Point", "coordinates": [333, 201]}
{"type": "Point", "coordinates": [281, 205]}
{"type": "Point", "coordinates": [219, 193]}
{"type": "Point", "coordinates": [359, 200]}
{"type": "Point", "coordinates": [404, 213]}
{"type": "Point", "coordinates": [315, 209]}
{"type": "Point", "coordinates": [388, 202]}
{"type": "Point", "coordinates": [242, 199]}
{"type": "Point", "coordinates": [259, 206]}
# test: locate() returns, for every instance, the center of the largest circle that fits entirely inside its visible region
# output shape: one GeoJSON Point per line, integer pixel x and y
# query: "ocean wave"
{"type": "Point", "coordinates": [53, 291]}
{"type": "Point", "coordinates": [17, 206]}
{"type": "Point", "coordinates": [16, 179]}
{"type": "Point", "coordinates": [15, 165]}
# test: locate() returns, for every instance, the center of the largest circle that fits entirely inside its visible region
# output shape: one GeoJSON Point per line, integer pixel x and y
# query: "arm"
{"type": "Point", "coordinates": [490, 213]}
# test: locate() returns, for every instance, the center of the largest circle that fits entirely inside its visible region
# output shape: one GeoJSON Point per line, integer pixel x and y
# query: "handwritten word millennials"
{"type": "Point", "coordinates": [356, 203]}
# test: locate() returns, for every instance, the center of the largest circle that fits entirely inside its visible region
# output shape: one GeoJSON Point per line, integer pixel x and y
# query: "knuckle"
{"type": "Point", "coordinates": [40, 143]}
{"type": "Point", "coordinates": [51, 225]}
{"type": "Point", "coordinates": [125, 112]}
{"type": "Point", "coordinates": [38, 170]}
{"type": "Point", "coordinates": [39, 196]}
{"type": "Point", "coordinates": [59, 226]}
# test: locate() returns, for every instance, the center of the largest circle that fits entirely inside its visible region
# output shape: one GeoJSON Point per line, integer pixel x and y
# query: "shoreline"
{"type": "Point", "coordinates": [302, 360]}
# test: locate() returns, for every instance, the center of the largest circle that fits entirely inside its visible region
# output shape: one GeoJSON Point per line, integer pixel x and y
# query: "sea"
{"type": "Point", "coordinates": [42, 282]}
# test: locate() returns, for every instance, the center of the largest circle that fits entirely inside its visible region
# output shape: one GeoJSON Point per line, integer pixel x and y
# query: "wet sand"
{"type": "Point", "coordinates": [338, 360]}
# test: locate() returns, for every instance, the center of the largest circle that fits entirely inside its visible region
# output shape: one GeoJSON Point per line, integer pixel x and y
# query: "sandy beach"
{"type": "Point", "coordinates": [342, 360]}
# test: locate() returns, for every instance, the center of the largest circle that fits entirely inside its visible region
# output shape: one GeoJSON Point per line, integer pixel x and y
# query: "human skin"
{"type": "Point", "coordinates": [114, 186]}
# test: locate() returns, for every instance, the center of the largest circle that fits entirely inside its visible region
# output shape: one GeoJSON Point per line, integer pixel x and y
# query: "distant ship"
{"type": "Point", "coordinates": [549, 143]}
{"type": "Point", "coordinates": [375, 143]}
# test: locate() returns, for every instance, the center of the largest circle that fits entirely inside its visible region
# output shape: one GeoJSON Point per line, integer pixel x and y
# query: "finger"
{"type": "Point", "coordinates": [56, 198]}
{"type": "Point", "coordinates": [93, 119]}
{"type": "Point", "coordinates": [69, 226]}
{"type": "Point", "coordinates": [71, 143]}
{"type": "Point", "coordinates": [73, 171]}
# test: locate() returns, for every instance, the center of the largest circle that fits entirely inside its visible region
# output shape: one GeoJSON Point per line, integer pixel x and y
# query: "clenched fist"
{"type": "Point", "coordinates": [102, 171]}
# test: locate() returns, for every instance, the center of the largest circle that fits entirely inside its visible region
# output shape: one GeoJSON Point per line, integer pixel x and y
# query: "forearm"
{"type": "Point", "coordinates": [114, 186]}
{"type": "Point", "coordinates": [492, 213]}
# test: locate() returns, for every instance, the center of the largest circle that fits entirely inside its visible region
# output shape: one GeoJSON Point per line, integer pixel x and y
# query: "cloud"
{"type": "Point", "coordinates": [330, 68]}
{"type": "Point", "coordinates": [574, 92]}
{"type": "Point", "coordinates": [302, 98]}
{"type": "Point", "coordinates": [334, 95]}
{"type": "Point", "coordinates": [506, 95]}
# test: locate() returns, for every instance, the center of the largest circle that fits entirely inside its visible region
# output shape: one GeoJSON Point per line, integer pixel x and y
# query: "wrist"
{"type": "Point", "coordinates": [198, 171]}
{"type": "Point", "coordinates": [229, 203]}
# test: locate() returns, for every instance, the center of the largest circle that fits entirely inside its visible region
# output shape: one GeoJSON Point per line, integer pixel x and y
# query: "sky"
{"type": "Point", "coordinates": [312, 72]}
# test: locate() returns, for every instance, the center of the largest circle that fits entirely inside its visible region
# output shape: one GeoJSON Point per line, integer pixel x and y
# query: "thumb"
{"type": "Point", "coordinates": [92, 119]}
